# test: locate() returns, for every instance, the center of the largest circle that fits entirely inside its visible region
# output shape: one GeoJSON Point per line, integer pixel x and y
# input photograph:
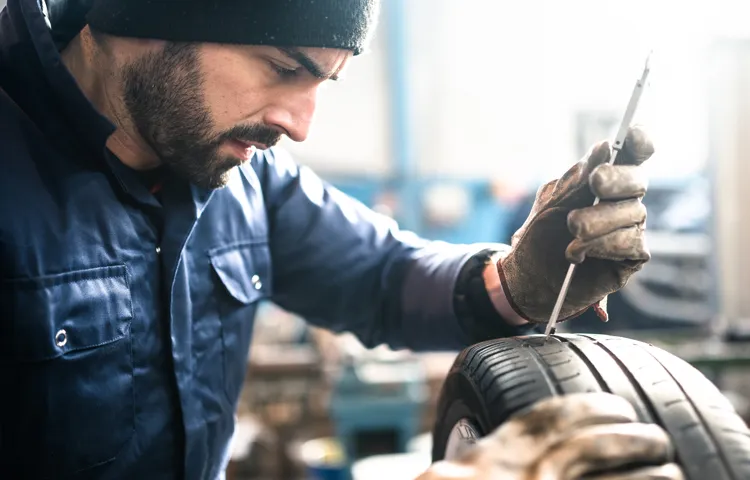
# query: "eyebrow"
{"type": "Point", "coordinates": [308, 64]}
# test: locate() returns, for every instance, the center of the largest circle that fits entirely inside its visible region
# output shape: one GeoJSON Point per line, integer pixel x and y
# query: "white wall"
{"type": "Point", "coordinates": [498, 83]}
{"type": "Point", "coordinates": [730, 118]}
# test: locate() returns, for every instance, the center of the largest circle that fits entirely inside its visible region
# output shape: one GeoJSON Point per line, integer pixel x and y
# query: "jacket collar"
{"type": "Point", "coordinates": [34, 75]}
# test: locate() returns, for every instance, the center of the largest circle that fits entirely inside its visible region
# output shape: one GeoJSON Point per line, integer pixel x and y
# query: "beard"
{"type": "Point", "coordinates": [162, 92]}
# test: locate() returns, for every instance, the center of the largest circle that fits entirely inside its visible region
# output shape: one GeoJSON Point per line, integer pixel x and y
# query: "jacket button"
{"type": "Point", "coordinates": [158, 250]}
{"type": "Point", "coordinates": [61, 338]}
{"type": "Point", "coordinates": [256, 282]}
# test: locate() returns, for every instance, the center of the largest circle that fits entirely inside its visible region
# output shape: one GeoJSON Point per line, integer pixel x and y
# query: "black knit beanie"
{"type": "Point", "coordinates": [344, 24]}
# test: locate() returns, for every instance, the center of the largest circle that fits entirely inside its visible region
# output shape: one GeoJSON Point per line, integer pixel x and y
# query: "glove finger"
{"type": "Point", "coordinates": [669, 471]}
{"type": "Point", "coordinates": [617, 182]}
{"type": "Point", "coordinates": [598, 155]}
{"type": "Point", "coordinates": [637, 148]}
{"type": "Point", "coordinates": [605, 447]}
{"type": "Point", "coordinates": [620, 245]}
{"type": "Point", "coordinates": [606, 217]}
{"type": "Point", "coordinates": [530, 432]}
{"type": "Point", "coordinates": [558, 415]}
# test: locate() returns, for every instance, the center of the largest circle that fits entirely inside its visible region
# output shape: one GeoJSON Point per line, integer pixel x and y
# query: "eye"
{"type": "Point", "coordinates": [284, 72]}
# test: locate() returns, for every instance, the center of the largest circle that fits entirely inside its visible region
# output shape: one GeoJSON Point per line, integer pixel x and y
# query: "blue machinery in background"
{"type": "Point", "coordinates": [403, 146]}
{"type": "Point", "coordinates": [378, 396]}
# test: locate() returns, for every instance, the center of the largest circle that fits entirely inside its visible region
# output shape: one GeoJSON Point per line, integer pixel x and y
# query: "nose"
{"type": "Point", "coordinates": [293, 113]}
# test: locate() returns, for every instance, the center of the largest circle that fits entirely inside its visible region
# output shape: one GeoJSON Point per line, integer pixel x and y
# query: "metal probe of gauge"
{"type": "Point", "coordinates": [616, 147]}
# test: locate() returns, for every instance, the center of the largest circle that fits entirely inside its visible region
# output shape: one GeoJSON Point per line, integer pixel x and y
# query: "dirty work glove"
{"type": "Point", "coordinates": [565, 227]}
{"type": "Point", "coordinates": [566, 438]}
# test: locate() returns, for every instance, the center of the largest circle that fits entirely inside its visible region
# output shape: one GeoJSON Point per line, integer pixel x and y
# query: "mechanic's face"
{"type": "Point", "coordinates": [204, 108]}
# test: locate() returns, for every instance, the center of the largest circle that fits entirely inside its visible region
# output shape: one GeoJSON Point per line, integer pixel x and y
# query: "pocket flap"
{"type": "Point", "coordinates": [244, 270]}
{"type": "Point", "coordinates": [56, 314]}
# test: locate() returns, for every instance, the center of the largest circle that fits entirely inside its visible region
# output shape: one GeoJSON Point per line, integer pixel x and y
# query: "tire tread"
{"type": "Point", "coordinates": [505, 376]}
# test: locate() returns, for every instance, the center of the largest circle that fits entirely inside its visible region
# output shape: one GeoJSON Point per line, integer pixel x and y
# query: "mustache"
{"type": "Point", "coordinates": [252, 133]}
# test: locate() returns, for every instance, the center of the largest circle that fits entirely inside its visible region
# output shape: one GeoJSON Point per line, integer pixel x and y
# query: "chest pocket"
{"type": "Point", "coordinates": [244, 274]}
{"type": "Point", "coordinates": [66, 371]}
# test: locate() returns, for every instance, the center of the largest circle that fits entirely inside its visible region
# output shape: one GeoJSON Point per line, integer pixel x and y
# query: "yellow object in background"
{"type": "Point", "coordinates": [323, 452]}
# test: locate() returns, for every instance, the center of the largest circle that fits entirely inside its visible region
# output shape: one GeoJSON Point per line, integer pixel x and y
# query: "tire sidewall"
{"type": "Point", "coordinates": [465, 402]}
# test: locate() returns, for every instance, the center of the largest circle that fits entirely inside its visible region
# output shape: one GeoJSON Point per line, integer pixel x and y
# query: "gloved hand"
{"type": "Point", "coordinates": [565, 227]}
{"type": "Point", "coordinates": [566, 438]}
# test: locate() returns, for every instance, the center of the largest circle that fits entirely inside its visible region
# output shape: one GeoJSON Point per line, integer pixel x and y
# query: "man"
{"type": "Point", "coordinates": [145, 214]}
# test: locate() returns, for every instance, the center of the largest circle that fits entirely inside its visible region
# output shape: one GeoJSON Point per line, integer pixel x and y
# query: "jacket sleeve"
{"type": "Point", "coordinates": [344, 267]}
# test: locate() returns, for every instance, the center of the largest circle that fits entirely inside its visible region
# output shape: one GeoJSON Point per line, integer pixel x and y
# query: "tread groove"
{"type": "Point", "coordinates": [479, 349]}
{"type": "Point", "coordinates": [690, 427]}
{"type": "Point", "coordinates": [517, 386]}
{"type": "Point", "coordinates": [488, 367]}
{"type": "Point", "coordinates": [709, 433]}
{"type": "Point", "coordinates": [557, 364]}
{"type": "Point", "coordinates": [545, 371]}
{"type": "Point", "coordinates": [504, 393]}
{"type": "Point", "coordinates": [569, 377]}
{"type": "Point", "coordinates": [713, 453]}
{"type": "Point", "coordinates": [597, 375]}
{"type": "Point", "coordinates": [631, 378]}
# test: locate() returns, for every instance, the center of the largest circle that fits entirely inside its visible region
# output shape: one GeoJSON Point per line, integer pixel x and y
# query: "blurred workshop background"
{"type": "Point", "coordinates": [449, 125]}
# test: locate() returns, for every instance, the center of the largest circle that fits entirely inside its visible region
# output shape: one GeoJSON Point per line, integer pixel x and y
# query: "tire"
{"type": "Point", "coordinates": [492, 380]}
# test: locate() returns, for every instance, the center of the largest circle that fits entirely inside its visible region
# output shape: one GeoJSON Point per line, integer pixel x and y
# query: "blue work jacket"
{"type": "Point", "coordinates": [125, 320]}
